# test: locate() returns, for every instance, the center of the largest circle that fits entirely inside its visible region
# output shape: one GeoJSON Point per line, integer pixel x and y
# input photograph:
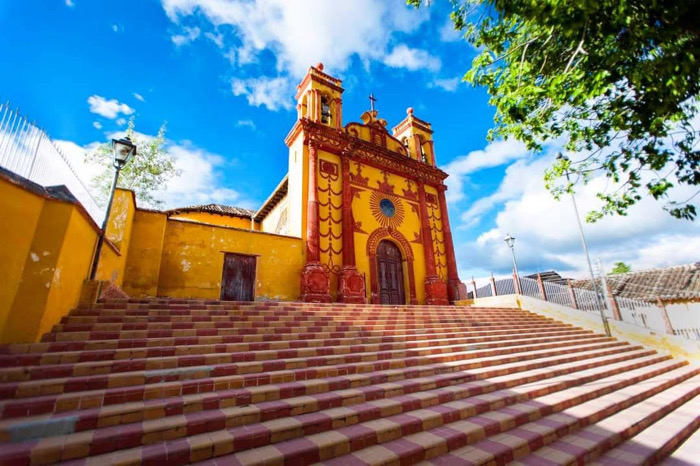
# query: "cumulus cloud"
{"type": "Point", "coordinates": [547, 232]}
{"type": "Point", "coordinates": [187, 36]}
{"type": "Point", "coordinates": [108, 108]}
{"type": "Point", "coordinates": [448, 33]}
{"type": "Point", "coordinates": [447, 84]}
{"type": "Point", "coordinates": [139, 97]}
{"type": "Point", "coordinates": [412, 59]}
{"type": "Point", "coordinates": [493, 155]}
{"type": "Point", "coordinates": [97, 124]}
{"type": "Point", "coordinates": [331, 32]}
{"type": "Point", "coordinates": [273, 93]}
{"type": "Point", "coordinates": [70, 3]}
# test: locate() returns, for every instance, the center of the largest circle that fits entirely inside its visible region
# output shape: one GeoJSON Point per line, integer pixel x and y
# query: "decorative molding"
{"type": "Point", "coordinates": [357, 178]}
{"type": "Point", "coordinates": [409, 193]}
{"type": "Point", "coordinates": [384, 186]}
{"type": "Point", "coordinates": [382, 233]}
{"type": "Point", "coordinates": [358, 228]}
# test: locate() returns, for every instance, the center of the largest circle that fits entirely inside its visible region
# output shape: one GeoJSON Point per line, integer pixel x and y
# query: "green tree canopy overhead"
{"type": "Point", "coordinates": [147, 172]}
{"type": "Point", "coordinates": [616, 80]}
{"type": "Point", "coordinates": [620, 267]}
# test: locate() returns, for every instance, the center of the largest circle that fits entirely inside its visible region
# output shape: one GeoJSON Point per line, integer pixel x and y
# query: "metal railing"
{"type": "Point", "coordinates": [25, 149]}
{"type": "Point", "coordinates": [634, 311]}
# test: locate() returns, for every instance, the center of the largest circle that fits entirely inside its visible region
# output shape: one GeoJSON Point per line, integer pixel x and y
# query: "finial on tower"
{"type": "Point", "coordinates": [319, 66]}
{"type": "Point", "coordinates": [409, 111]}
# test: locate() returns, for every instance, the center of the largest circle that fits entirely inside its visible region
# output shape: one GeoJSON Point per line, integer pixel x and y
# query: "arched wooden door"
{"type": "Point", "coordinates": [390, 272]}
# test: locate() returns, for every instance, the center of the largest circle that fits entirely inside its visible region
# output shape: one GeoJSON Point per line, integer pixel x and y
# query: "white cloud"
{"type": "Point", "coordinates": [547, 232]}
{"type": "Point", "coordinates": [121, 121]}
{"type": "Point", "coordinates": [139, 97]}
{"type": "Point", "coordinates": [246, 123]}
{"type": "Point", "coordinates": [189, 34]}
{"type": "Point", "coordinates": [495, 154]}
{"type": "Point", "coordinates": [448, 33]}
{"type": "Point", "coordinates": [97, 124]}
{"type": "Point", "coordinates": [217, 38]}
{"type": "Point", "coordinates": [329, 32]}
{"type": "Point", "coordinates": [273, 93]}
{"type": "Point", "coordinates": [108, 108]}
{"type": "Point", "coordinates": [412, 59]}
{"type": "Point", "coordinates": [70, 3]}
{"type": "Point", "coordinates": [447, 84]}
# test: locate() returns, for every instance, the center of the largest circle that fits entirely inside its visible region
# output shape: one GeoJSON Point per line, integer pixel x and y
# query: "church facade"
{"type": "Point", "coordinates": [360, 217]}
{"type": "Point", "coordinates": [369, 204]}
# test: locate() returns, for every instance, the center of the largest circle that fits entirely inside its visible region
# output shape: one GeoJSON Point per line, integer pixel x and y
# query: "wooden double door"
{"type": "Point", "coordinates": [238, 278]}
{"type": "Point", "coordinates": [390, 274]}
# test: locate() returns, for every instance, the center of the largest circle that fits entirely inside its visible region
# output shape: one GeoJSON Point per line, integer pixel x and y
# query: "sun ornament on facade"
{"type": "Point", "coordinates": [388, 210]}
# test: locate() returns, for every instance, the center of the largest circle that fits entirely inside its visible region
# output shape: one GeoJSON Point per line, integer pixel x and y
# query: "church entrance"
{"type": "Point", "coordinates": [390, 271]}
{"type": "Point", "coordinates": [238, 279]}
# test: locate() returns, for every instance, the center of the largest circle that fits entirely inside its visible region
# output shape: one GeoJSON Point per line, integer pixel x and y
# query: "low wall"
{"type": "Point", "coordinates": [664, 343]}
{"type": "Point", "coordinates": [48, 240]}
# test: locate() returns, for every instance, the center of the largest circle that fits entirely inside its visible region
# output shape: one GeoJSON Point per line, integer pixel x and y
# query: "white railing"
{"type": "Point", "coordinates": [27, 151]}
{"type": "Point", "coordinates": [634, 311]}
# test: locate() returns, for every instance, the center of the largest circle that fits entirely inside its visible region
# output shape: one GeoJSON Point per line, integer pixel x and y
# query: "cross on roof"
{"type": "Point", "coordinates": [372, 100]}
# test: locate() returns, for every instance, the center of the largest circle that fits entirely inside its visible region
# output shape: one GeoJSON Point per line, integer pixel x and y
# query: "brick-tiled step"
{"type": "Point", "coordinates": [504, 434]}
{"type": "Point", "coordinates": [179, 381]}
{"type": "Point", "coordinates": [321, 356]}
{"type": "Point", "coordinates": [687, 454]}
{"type": "Point", "coordinates": [647, 447]}
{"type": "Point", "coordinates": [37, 358]}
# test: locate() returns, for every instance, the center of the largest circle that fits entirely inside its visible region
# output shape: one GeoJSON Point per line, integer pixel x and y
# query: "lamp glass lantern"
{"type": "Point", "coordinates": [510, 240]}
{"type": "Point", "coordinates": [123, 150]}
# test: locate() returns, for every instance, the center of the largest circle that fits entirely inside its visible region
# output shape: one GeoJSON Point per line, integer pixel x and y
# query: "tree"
{"type": "Point", "coordinates": [620, 267]}
{"type": "Point", "coordinates": [615, 80]}
{"type": "Point", "coordinates": [145, 173]}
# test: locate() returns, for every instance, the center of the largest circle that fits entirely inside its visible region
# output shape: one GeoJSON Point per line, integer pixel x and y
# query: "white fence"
{"type": "Point", "coordinates": [27, 151]}
{"type": "Point", "coordinates": [635, 311]}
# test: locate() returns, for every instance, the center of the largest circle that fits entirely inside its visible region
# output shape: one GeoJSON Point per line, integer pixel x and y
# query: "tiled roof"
{"type": "Point", "coordinates": [677, 283]}
{"type": "Point", "coordinates": [215, 209]}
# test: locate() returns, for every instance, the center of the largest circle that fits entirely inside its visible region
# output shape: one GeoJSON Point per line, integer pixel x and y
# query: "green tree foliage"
{"type": "Point", "coordinates": [620, 267]}
{"type": "Point", "coordinates": [147, 172]}
{"type": "Point", "coordinates": [615, 80]}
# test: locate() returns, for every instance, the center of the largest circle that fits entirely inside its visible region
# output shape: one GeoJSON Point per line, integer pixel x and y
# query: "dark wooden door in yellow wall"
{"type": "Point", "coordinates": [238, 279]}
{"type": "Point", "coordinates": [390, 271]}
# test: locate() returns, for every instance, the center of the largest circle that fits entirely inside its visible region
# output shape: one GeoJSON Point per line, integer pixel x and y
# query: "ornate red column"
{"type": "Point", "coordinates": [315, 283]}
{"type": "Point", "coordinates": [435, 289]}
{"type": "Point", "coordinates": [351, 285]}
{"type": "Point", "coordinates": [453, 282]}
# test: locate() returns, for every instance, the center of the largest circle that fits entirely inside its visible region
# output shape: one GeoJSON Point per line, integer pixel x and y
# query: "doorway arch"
{"type": "Point", "coordinates": [404, 247]}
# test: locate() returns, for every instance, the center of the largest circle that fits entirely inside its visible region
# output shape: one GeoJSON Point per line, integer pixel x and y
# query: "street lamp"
{"type": "Point", "coordinates": [561, 156]}
{"type": "Point", "coordinates": [510, 241]}
{"type": "Point", "coordinates": [122, 150]}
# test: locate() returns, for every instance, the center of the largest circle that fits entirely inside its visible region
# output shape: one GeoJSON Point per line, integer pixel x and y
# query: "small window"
{"type": "Point", "coordinates": [423, 158]}
{"type": "Point", "coordinates": [325, 111]}
{"type": "Point", "coordinates": [405, 144]}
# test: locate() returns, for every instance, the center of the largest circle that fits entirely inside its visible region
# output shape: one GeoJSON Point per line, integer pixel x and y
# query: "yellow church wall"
{"type": "Point", "coordinates": [435, 220]}
{"type": "Point", "coordinates": [275, 221]}
{"type": "Point", "coordinates": [118, 232]}
{"type": "Point", "coordinates": [19, 215]}
{"type": "Point", "coordinates": [217, 219]}
{"type": "Point", "coordinates": [365, 206]}
{"type": "Point", "coordinates": [193, 258]}
{"type": "Point", "coordinates": [145, 251]}
{"type": "Point", "coordinates": [330, 221]}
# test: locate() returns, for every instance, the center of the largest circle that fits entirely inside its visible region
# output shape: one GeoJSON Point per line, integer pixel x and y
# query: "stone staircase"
{"type": "Point", "coordinates": [177, 382]}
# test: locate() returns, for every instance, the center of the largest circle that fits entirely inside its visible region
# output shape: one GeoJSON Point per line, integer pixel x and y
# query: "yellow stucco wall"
{"type": "Point", "coordinates": [19, 214]}
{"type": "Point", "coordinates": [47, 247]}
{"type": "Point", "coordinates": [113, 257]}
{"type": "Point", "coordinates": [193, 258]}
{"type": "Point", "coordinates": [145, 251]}
{"type": "Point", "coordinates": [217, 219]}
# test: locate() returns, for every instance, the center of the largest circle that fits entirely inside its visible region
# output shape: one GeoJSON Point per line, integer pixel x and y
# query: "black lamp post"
{"type": "Point", "coordinates": [123, 150]}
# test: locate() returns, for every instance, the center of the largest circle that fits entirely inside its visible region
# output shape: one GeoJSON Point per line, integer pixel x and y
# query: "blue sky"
{"type": "Point", "coordinates": [222, 74]}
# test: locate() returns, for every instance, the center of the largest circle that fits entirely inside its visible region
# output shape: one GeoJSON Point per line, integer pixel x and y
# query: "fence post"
{"type": "Point", "coordinates": [474, 286]}
{"type": "Point", "coordinates": [572, 294]}
{"type": "Point", "coordinates": [613, 301]}
{"type": "Point", "coordinates": [543, 293]}
{"type": "Point", "coordinates": [516, 283]}
{"type": "Point", "coordinates": [493, 286]}
{"type": "Point", "coordinates": [664, 314]}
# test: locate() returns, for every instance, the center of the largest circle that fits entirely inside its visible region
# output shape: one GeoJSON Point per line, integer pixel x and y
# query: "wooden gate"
{"type": "Point", "coordinates": [238, 278]}
{"type": "Point", "coordinates": [390, 271]}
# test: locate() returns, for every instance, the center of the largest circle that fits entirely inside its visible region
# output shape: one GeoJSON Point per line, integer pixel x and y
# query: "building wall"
{"type": "Point", "coordinates": [46, 253]}
{"type": "Point", "coordinates": [277, 221]}
{"type": "Point", "coordinates": [217, 219]}
{"type": "Point", "coordinates": [143, 260]}
{"type": "Point", "coordinates": [297, 189]}
{"type": "Point", "coordinates": [193, 258]}
{"type": "Point", "coordinates": [113, 256]}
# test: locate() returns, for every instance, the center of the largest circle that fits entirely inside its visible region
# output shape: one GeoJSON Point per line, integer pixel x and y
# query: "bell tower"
{"type": "Point", "coordinates": [319, 98]}
{"type": "Point", "coordinates": [417, 136]}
